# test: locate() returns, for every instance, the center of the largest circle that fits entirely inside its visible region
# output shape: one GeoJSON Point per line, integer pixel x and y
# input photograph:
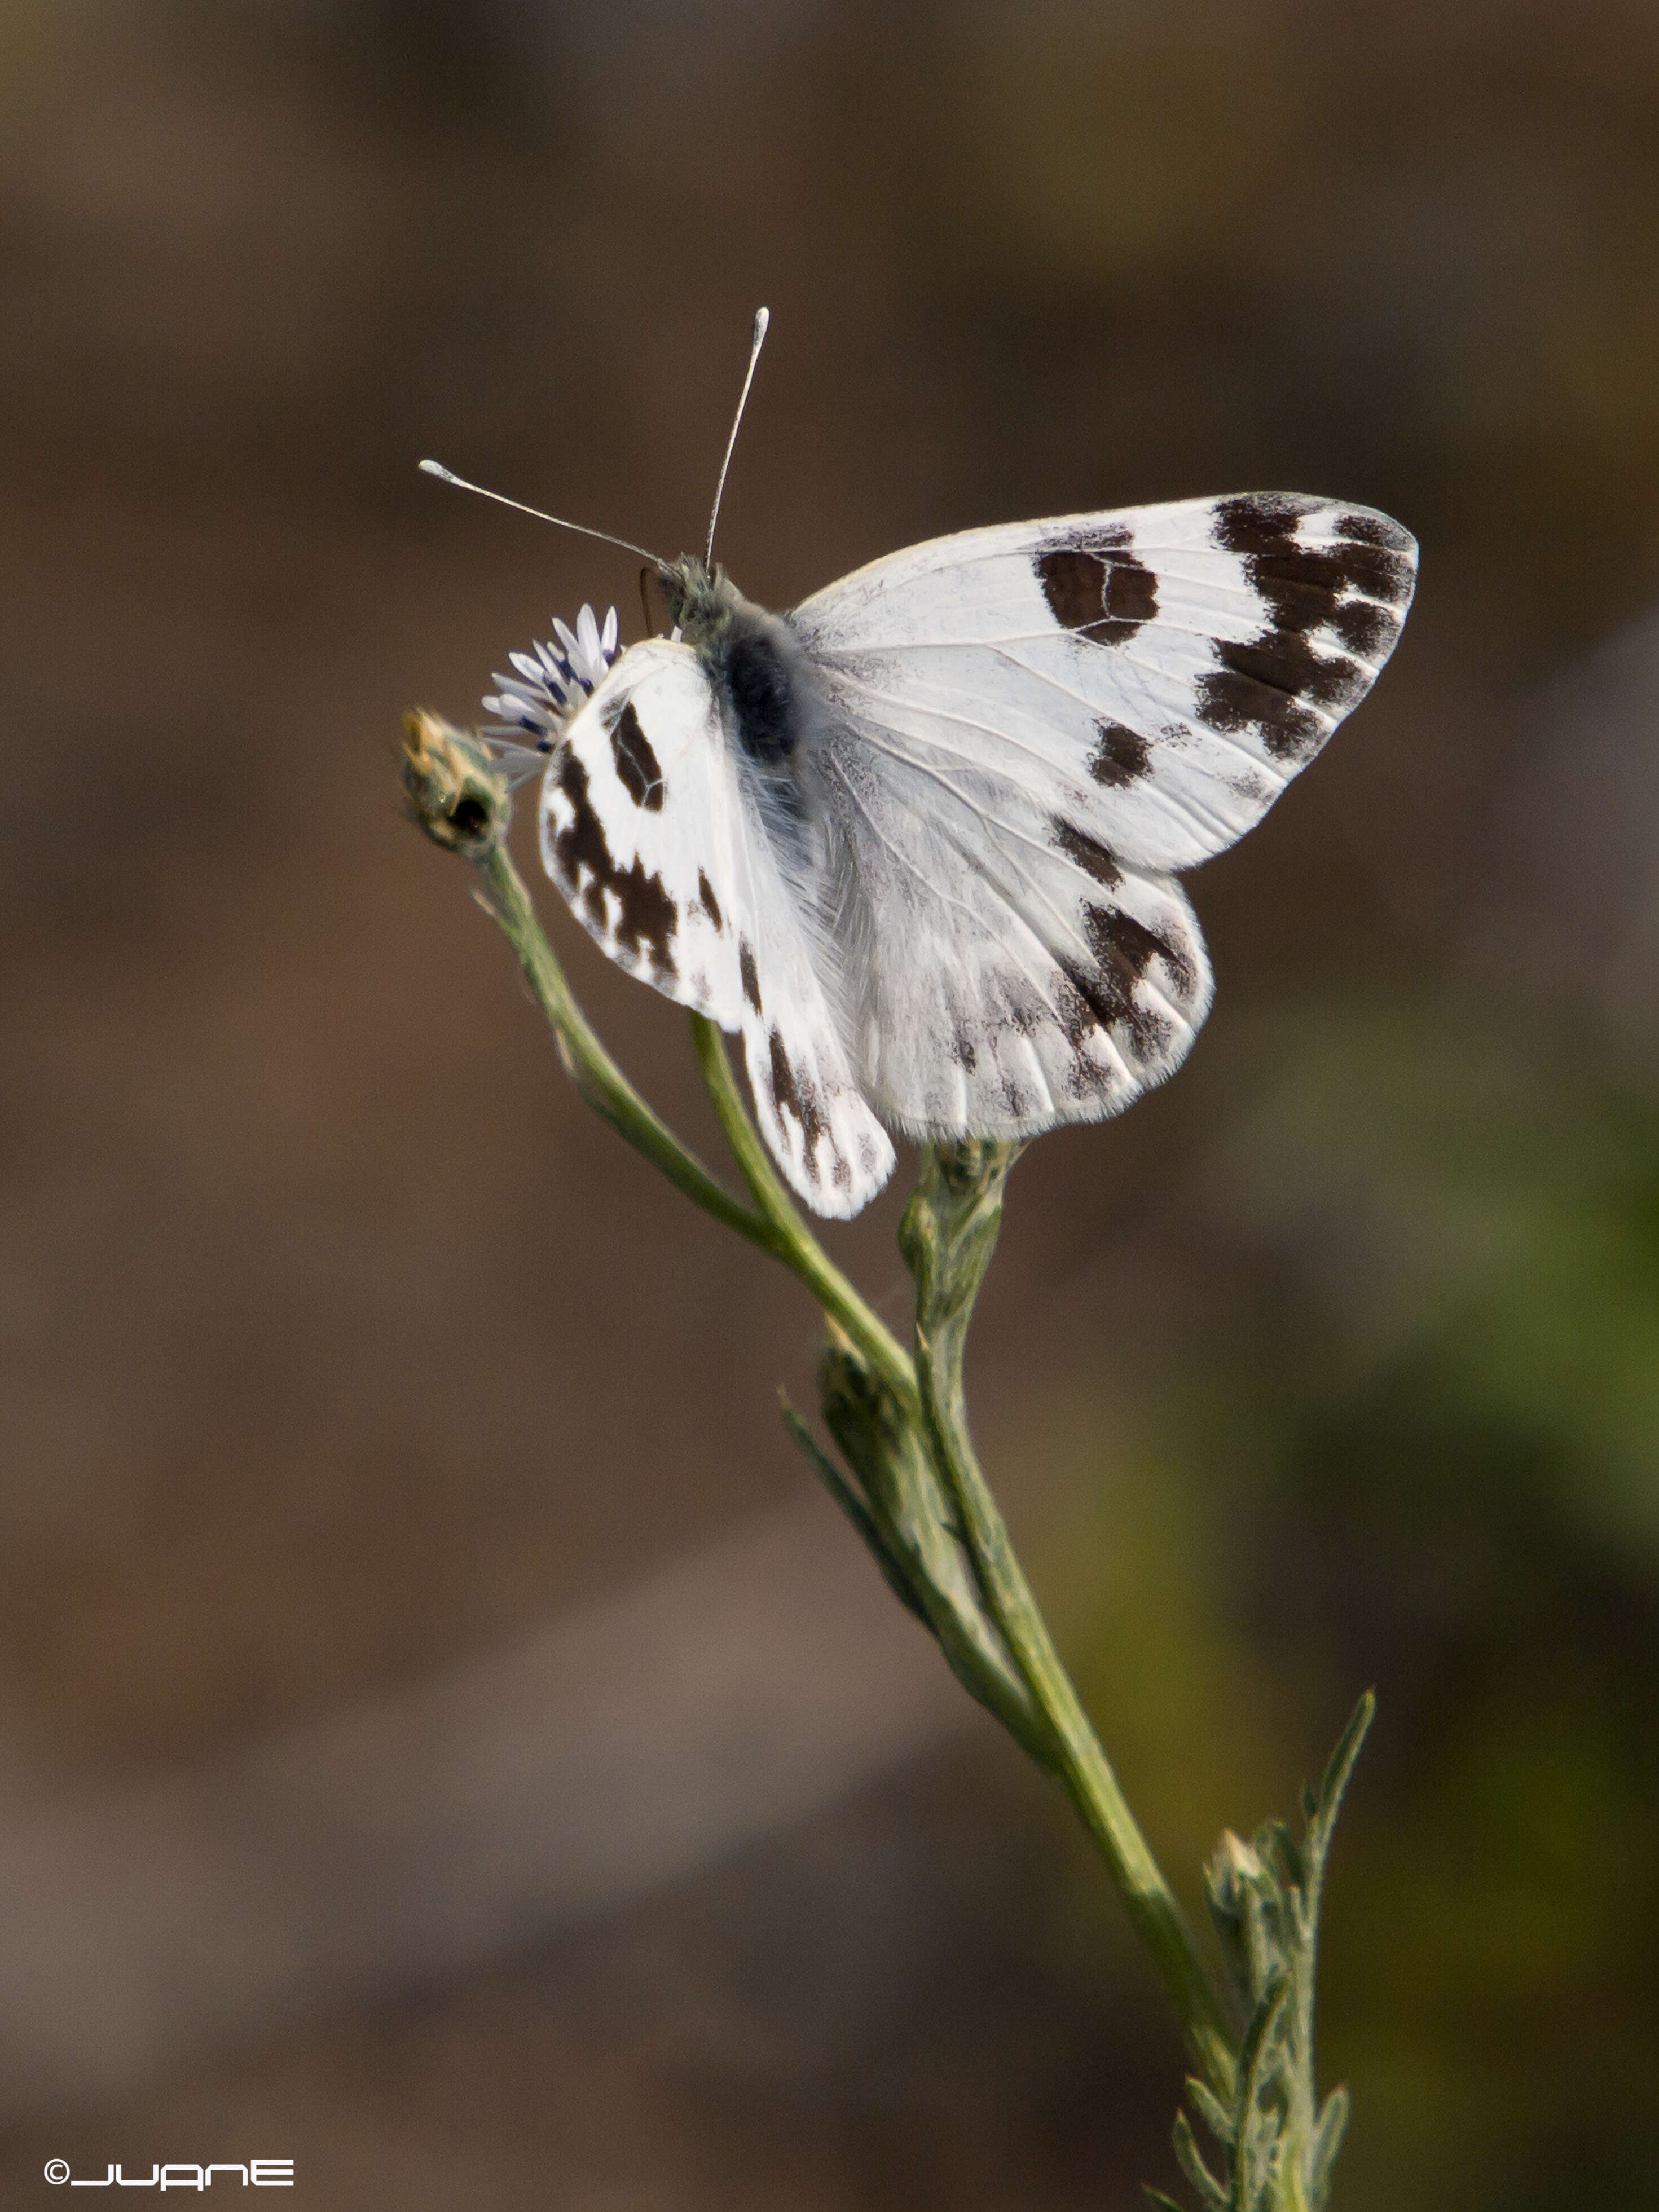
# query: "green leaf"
{"type": "Point", "coordinates": [855, 1509]}
{"type": "Point", "coordinates": [1213, 2192]}
{"type": "Point", "coordinates": [1327, 2142]}
{"type": "Point", "coordinates": [1210, 2110]}
{"type": "Point", "coordinates": [884, 1445]}
{"type": "Point", "coordinates": [1338, 1768]}
{"type": "Point", "coordinates": [1165, 2204]}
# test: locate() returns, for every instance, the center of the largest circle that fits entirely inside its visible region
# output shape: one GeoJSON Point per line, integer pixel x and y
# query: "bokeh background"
{"type": "Point", "coordinates": [341, 1349]}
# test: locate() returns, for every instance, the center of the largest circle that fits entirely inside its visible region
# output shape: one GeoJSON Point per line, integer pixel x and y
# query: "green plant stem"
{"type": "Point", "coordinates": [798, 1248]}
{"type": "Point", "coordinates": [590, 1066]}
{"type": "Point", "coordinates": [1087, 1771]}
{"type": "Point", "coordinates": [950, 1232]}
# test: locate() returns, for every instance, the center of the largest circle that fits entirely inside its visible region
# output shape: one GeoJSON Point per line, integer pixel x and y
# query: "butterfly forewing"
{"type": "Point", "coordinates": [1027, 727]}
{"type": "Point", "coordinates": [636, 823]}
{"type": "Point", "coordinates": [650, 833]}
{"type": "Point", "coordinates": [1156, 675]}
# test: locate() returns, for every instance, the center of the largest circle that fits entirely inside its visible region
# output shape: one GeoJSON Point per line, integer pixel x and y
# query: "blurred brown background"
{"type": "Point", "coordinates": [345, 1356]}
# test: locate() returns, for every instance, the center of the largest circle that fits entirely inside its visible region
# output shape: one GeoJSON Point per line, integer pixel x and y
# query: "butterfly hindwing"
{"type": "Point", "coordinates": [650, 832]}
{"type": "Point", "coordinates": [1007, 979]}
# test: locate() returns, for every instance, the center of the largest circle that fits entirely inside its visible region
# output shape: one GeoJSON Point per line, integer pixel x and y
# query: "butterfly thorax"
{"type": "Point", "coordinates": [753, 658]}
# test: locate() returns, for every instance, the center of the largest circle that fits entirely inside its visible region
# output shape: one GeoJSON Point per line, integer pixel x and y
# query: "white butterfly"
{"type": "Point", "coordinates": [916, 840]}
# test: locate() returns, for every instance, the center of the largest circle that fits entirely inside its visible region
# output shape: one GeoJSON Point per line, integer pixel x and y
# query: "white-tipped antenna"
{"type": "Point", "coordinates": [435, 469]}
{"type": "Point", "coordinates": [763, 317]}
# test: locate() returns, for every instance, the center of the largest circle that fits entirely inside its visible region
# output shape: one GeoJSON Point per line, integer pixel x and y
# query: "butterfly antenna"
{"type": "Point", "coordinates": [763, 317]}
{"type": "Point", "coordinates": [435, 469]}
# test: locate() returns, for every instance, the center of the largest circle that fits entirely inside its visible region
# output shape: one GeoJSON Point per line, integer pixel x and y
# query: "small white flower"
{"type": "Point", "coordinates": [548, 688]}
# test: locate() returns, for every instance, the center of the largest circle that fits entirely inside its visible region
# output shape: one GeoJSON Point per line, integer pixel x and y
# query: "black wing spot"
{"type": "Point", "coordinates": [1373, 530]}
{"type": "Point", "coordinates": [1284, 660]}
{"type": "Point", "coordinates": [1272, 682]}
{"type": "Point", "coordinates": [1017, 1099]}
{"type": "Point", "coordinates": [1072, 585]}
{"type": "Point", "coordinates": [1098, 591]}
{"type": "Point", "coordinates": [1125, 949]}
{"type": "Point", "coordinates": [1260, 522]}
{"type": "Point", "coordinates": [637, 765]}
{"type": "Point", "coordinates": [1232, 703]}
{"type": "Point", "coordinates": [1121, 756]}
{"type": "Point", "coordinates": [1083, 1012]}
{"type": "Point", "coordinates": [1089, 853]}
{"type": "Point", "coordinates": [1131, 594]}
{"type": "Point", "coordinates": [1261, 526]}
{"type": "Point", "coordinates": [1327, 571]}
{"type": "Point", "coordinates": [647, 916]}
{"type": "Point", "coordinates": [1366, 628]}
{"type": "Point", "coordinates": [1129, 947]}
{"type": "Point", "coordinates": [750, 975]}
{"type": "Point", "coordinates": [707, 902]}
{"type": "Point", "coordinates": [1093, 999]}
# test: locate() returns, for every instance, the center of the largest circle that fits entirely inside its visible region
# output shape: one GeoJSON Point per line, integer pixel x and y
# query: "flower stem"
{"type": "Point", "coordinates": [591, 1067]}
{"type": "Point", "coordinates": [798, 1248]}
{"type": "Point", "coordinates": [949, 1234]}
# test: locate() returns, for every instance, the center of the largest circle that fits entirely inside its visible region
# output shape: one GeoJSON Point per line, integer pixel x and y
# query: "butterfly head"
{"type": "Point", "coordinates": [696, 603]}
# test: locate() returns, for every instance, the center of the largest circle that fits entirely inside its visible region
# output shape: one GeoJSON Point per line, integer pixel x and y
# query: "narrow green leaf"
{"type": "Point", "coordinates": [855, 1509]}
{"type": "Point", "coordinates": [1337, 1771]}
{"type": "Point", "coordinates": [1327, 2142]}
{"type": "Point", "coordinates": [1210, 2110]}
{"type": "Point", "coordinates": [1213, 2192]}
{"type": "Point", "coordinates": [1164, 2203]}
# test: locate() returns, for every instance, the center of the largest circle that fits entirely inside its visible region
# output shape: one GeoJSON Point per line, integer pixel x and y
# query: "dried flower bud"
{"type": "Point", "coordinates": [457, 798]}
